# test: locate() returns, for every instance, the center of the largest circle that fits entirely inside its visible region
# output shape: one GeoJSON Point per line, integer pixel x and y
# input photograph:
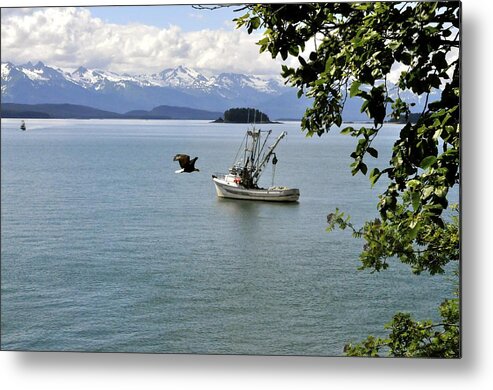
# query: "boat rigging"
{"type": "Point", "coordinates": [242, 180]}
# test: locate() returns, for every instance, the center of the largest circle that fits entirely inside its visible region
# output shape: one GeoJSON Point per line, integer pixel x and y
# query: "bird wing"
{"type": "Point", "coordinates": [183, 159]}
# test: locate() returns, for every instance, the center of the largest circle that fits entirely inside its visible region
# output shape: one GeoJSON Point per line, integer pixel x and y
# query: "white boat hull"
{"type": "Point", "coordinates": [273, 194]}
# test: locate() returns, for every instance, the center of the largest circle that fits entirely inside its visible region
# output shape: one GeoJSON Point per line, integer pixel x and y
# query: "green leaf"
{"type": "Point", "coordinates": [427, 162]}
{"type": "Point", "coordinates": [255, 22]}
{"type": "Point", "coordinates": [427, 191]}
{"type": "Point", "coordinates": [413, 183]}
{"type": "Point", "coordinates": [328, 64]}
{"type": "Point", "coordinates": [294, 51]}
{"type": "Point", "coordinates": [415, 226]}
{"type": "Point", "coordinates": [372, 152]}
{"type": "Point", "coordinates": [363, 168]}
{"type": "Point", "coordinates": [374, 176]}
{"type": "Point", "coordinates": [263, 41]}
{"type": "Point", "coordinates": [354, 90]}
{"type": "Point", "coordinates": [364, 106]}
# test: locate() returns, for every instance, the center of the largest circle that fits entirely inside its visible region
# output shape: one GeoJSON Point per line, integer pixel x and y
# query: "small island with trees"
{"type": "Point", "coordinates": [243, 115]}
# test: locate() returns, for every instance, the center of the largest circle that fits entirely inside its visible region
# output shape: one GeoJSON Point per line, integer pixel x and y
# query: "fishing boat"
{"type": "Point", "coordinates": [241, 182]}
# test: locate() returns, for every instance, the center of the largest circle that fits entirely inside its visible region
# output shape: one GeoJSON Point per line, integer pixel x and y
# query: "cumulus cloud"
{"type": "Point", "coordinates": [69, 37]}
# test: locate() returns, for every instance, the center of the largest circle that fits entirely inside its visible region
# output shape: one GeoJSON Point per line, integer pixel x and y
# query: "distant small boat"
{"type": "Point", "coordinates": [23, 126]}
{"type": "Point", "coordinates": [241, 181]}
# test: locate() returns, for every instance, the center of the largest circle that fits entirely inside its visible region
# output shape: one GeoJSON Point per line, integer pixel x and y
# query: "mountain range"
{"type": "Point", "coordinates": [177, 87]}
{"type": "Point", "coordinates": [120, 93]}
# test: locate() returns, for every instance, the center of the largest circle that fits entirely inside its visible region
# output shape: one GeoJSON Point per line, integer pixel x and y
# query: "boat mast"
{"type": "Point", "coordinates": [253, 150]}
{"type": "Point", "coordinates": [261, 165]}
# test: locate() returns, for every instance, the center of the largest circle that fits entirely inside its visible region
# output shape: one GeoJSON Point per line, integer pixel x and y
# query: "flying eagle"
{"type": "Point", "coordinates": [186, 164]}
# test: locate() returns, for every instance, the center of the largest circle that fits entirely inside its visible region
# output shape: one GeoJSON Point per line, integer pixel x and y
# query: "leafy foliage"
{"type": "Point", "coordinates": [410, 338]}
{"type": "Point", "coordinates": [346, 50]}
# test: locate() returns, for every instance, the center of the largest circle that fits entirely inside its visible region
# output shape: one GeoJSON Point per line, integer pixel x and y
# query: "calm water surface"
{"type": "Point", "coordinates": [105, 248]}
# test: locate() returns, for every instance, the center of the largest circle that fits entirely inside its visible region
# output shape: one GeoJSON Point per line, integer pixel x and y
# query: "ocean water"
{"type": "Point", "coordinates": [105, 248]}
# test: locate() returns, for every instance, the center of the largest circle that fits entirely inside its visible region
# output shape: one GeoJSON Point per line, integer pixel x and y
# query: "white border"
{"type": "Point", "coordinates": [19, 370]}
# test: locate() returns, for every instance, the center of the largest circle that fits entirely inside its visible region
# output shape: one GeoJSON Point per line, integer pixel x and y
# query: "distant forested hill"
{"type": "Point", "coordinates": [62, 111]}
{"type": "Point", "coordinates": [74, 111]}
{"type": "Point", "coordinates": [172, 112]}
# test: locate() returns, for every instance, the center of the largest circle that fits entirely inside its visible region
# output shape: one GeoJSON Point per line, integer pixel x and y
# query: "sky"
{"type": "Point", "coordinates": [187, 17]}
{"type": "Point", "coordinates": [132, 39]}
{"type": "Point", "coordinates": [136, 39]}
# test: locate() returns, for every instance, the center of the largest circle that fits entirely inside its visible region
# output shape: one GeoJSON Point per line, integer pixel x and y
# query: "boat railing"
{"type": "Point", "coordinates": [219, 175]}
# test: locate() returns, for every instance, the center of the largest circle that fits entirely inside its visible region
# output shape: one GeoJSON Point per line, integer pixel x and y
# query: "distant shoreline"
{"type": "Point", "coordinates": [74, 111]}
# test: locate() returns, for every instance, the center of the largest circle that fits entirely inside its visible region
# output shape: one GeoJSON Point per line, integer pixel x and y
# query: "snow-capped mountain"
{"type": "Point", "coordinates": [181, 86]}
{"type": "Point", "coordinates": [96, 79]}
{"type": "Point", "coordinates": [182, 78]}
